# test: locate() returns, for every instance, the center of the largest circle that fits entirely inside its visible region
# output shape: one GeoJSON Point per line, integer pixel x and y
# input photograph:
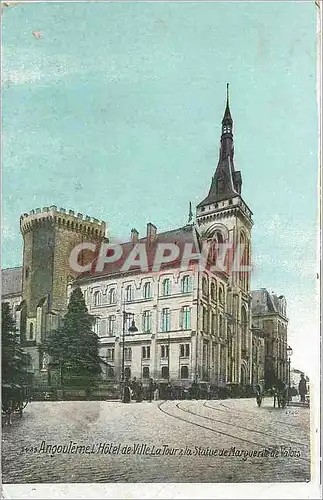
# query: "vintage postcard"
{"type": "Point", "coordinates": [159, 283]}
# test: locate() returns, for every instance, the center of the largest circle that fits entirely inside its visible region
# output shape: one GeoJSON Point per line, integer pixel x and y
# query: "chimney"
{"type": "Point", "coordinates": [151, 233]}
{"type": "Point", "coordinates": [134, 236]}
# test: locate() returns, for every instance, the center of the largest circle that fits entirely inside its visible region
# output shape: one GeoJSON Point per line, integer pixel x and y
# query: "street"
{"type": "Point", "coordinates": [174, 441]}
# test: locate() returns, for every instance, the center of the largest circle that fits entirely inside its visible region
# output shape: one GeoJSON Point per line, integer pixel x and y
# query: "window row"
{"type": "Point", "coordinates": [184, 372]}
{"type": "Point", "coordinates": [216, 323]}
{"type": "Point", "coordinates": [145, 352]}
{"type": "Point", "coordinates": [146, 326]}
{"type": "Point", "coordinates": [186, 287]}
{"type": "Point", "coordinates": [212, 292]}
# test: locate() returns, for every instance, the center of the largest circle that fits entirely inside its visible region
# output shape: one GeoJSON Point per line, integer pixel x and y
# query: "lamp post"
{"type": "Point", "coordinates": [289, 351]}
{"type": "Point", "coordinates": [132, 329]}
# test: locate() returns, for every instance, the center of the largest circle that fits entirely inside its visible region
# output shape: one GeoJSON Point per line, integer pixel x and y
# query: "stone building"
{"type": "Point", "coordinates": [191, 323]}
{"type": "Point", "coordinates": [269, 318]}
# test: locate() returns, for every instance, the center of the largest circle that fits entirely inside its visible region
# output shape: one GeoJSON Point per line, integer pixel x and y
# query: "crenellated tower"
{"type": "Point", "coordinates": [49, 236]}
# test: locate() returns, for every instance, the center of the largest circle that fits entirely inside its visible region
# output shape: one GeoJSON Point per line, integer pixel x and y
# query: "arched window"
{"type": "Point", "coordinates": [112, 296]}
{"type": "Point", "coordinates": [164, 372]}
{"type": "Point", "coordinates": [97, 298]}
{"type": "Point", "coordinates": [145, 372]}
{"type": "Point", "coordinates": [186, 284]}
{"type": "Point", "coordinates": [204, 286]}
{"type": "Point", "coordinates": [147, 290]}
{"type": "Point", "coordinates": [129, 293]}
{"type": "Point", "coordinates": [221, 295]}
{"type": "Point", "coordinates": [213, 291]}
{"type": "Point", "coordinates": [218, 237]}
{"type": "Point", "coordinates": [166, 287]}
{"type": "Point", "coordinates": [127, 372]}
{"type": "Point", "coordinates": [184, 371]}
{"type": "Point", "coordinates": [31, 331]}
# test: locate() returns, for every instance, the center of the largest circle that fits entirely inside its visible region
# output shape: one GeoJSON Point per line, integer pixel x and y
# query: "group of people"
{"type": "Point", "coordinates": [281, 393]}
{"type": "Point", "coordinates": [134, 389]}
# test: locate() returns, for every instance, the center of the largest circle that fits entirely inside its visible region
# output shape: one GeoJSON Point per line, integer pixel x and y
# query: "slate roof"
{"type": "Point", "coordinates": [11, 281]}
{"type": "Point", "coordinates": [180, 237]}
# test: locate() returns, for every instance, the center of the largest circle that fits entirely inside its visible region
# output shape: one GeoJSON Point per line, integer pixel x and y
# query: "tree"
{"type": "Point", "coordinates": [14, 358]}
{"type": "Point", "coordinates": [74, 348]}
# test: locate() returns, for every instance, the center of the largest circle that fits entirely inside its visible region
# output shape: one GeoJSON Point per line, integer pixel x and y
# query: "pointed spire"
{"type": "Point", "coordinates": [227, 119]}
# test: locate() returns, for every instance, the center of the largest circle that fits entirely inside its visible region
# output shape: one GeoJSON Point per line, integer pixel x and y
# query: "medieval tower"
{"type": "Point", "coordinates": [49, 236]}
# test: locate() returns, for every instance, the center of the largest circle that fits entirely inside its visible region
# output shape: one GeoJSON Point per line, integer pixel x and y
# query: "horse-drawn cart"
{"type": "Point", "coordinates": [14, 399]}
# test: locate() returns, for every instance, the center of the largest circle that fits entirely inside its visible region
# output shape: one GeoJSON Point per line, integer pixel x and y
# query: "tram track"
{"type": "Point", "coordinates": [217, 431]}
{"type": "Point", "coordinates": [250, 413]}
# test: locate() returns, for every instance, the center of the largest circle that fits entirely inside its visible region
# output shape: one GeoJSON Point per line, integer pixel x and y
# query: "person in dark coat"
{"type": "Point", "coordinates": [302, 389]}
{"type": "Point", "coordinates": [139, 392]}
{"type": "Point", "coordinates": [126, 392]}
{"type": "Point", "coordinates": [151, 389]}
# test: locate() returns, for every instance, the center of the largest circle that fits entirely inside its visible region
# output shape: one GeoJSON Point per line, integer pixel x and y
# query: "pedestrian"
{"type": "Point", "coordinates": [139, 392]}
{"type": "Point", "coordinates": [302, 389]}
{"type": "Point", "coordinates": [126, 393]}
{"type": "Point", "coordinates": [156, 393]}
{"type": "Point", "coordinates": [134, 385]}
{"type": "Point", "coordinates": [151, 388]}
{"type": "Point", "coordinates": [208, 391]}
{"type": "Point", "coordinates": [169, 391]}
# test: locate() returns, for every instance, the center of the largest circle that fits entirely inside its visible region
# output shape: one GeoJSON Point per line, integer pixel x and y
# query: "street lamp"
{"type": "Point", "coordinates": [289, 351]}
{"type": "Point", "coordinates": [132, 329]}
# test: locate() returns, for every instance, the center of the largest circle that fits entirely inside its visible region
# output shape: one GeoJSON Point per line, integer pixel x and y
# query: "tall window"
{"type": "Point", "coordinates": [97, 298]}
{"type": "Point", "coordinates": [110, 354]}
{"type": "Point", "coordinates": [214, 328]}
{"type": "Point", "coordinates": [112, 296]}
{"type": "Point", "coordinates": [96, 327]}
{"type": "Point", "coordinates": [184, 350]}
{"type": "Point", "coordinates": [166, 320]}
{"type": "Point", "coordinates": [146, 321]}
{"type": "Point", "coordinates": [213, 291]}
{"type": "Point", "coordinates": [147, 290]}
{"type": "Point", "coordinates": [31, 331]}
{"type": "Point", "coordinates": [221, 295]}
{"type": "Point", "coordinates": [129, 293]}
{"type": "Point", "coordinates": [205, 319]}
{"type": "Point", "coordinates": [204, 286]}
{"type": "Point", "coordinates": [129, 319]}
{"type": "Point", "coordinates": [127, 354]}
{"type": "Point", "coordinates": [184, 371]}
{"type": "Point", "coordinates": [164, 351]}
{"type": "Point", "coordinates": [145, 372]}
{"type": "Point", "coordinates": [186, 317]}
{"type": "Point", "coordinates": [145, 352]}
{"type": "Point", "coordinates": [221, 325]}
{"type": "Point", "coordinates": [186, 284]}
{"type": "Point", "coordinates": [111, 324]}
{"type": "Point", "coordinates": [127, 372]}
{"type": "Point", "coordinates": [164, 372]}
{"type": "Point", "coordinates": [166, 286]}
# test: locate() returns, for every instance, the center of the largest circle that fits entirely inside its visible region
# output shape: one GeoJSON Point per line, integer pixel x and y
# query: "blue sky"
{"type": "Point", "coordinates": [116, 112]}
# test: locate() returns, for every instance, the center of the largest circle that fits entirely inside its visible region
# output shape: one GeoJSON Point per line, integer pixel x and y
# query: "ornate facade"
{"type": "Point", "coordinates": [192, 324]}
